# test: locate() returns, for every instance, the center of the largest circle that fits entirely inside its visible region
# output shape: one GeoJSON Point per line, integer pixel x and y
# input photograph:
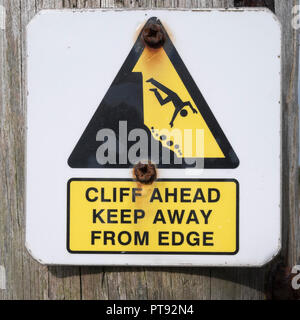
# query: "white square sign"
{"type": "Point", "coordinates": [154, 137]}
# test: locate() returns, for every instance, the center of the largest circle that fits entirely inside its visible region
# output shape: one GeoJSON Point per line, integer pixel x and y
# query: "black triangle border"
{"type": "Point", "coordinates": [230, 161]}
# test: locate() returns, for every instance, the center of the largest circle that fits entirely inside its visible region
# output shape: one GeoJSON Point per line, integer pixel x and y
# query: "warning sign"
{"type": "Point", "coordinates": [170, 216]}
{"type": "Point", "coordinates": [154, 111]}
{"type": "Point", "coordinates": [150, 153]}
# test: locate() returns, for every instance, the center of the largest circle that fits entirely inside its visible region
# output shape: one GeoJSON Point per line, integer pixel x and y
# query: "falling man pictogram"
{"type": "Point", "coordinates": [171, 97]}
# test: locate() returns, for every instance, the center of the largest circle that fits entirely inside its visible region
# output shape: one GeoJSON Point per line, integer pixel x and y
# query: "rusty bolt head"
{"type": "Point", "coordinates": [145, 173]}
{"type": "Point", "coordinates": [153, 35]}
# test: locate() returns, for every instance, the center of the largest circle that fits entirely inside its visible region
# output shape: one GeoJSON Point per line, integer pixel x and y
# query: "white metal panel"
{"type": "Point", "coordinates": [234, 58]}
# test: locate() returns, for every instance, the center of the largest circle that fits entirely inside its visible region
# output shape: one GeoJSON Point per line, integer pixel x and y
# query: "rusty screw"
{"type": "Point", "coordinates": [145, 173]}
{"type": "Point", "coordinates": [153, 35]}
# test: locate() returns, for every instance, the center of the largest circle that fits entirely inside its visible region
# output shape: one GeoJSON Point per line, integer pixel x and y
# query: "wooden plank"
{"type": "Point", "coordinates": [27, 279]}
{"type": "Point", "coordinates": [12, 153]}
{"type": "Point", "coordinates": [252, 283]}
{"type": "Point", "coordinates": [290, 50]}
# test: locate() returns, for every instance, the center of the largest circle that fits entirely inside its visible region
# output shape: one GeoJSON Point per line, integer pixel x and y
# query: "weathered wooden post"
{"type": "Point", "coordinates": [27, 279]}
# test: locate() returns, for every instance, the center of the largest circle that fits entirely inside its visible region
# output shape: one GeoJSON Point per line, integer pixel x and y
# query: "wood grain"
{"type": "Point", "coordinates": [290, 151]}
{"type": "Point", "coordinates": [26, 279]}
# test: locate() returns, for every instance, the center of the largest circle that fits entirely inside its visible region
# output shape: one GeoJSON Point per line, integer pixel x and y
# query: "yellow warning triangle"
{"type": "Point", "coordinates": [154, 91]}
{"type": "Point", "coordinates": [157, 69]}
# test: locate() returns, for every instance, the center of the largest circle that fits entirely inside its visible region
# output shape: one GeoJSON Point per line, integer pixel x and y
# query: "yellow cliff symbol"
{"type": "Point", "coordinates": [169, 111]}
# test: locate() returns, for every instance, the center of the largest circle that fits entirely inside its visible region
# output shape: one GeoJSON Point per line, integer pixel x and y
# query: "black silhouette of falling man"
{"type": "Point", "coordinates": [171, 97]}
